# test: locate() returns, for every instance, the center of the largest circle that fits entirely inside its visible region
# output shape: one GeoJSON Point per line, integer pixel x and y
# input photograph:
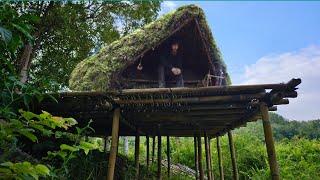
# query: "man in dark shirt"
{"type": "Point", "coordinates": [171, 66]}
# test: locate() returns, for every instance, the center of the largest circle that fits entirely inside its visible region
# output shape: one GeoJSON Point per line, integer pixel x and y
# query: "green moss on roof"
{"type": "Point", "coordinates": [101, 71]}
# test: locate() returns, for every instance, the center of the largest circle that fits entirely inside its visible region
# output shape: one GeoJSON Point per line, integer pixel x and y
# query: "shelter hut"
{"type": "Point", "coordinates": [115, 66]}
{"type": "Point", "coordinates": [122, 101]}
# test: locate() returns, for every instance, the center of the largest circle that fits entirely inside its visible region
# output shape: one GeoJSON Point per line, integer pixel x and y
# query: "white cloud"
{"type": "Point", "coordinates": [167, 6]}
{"type": "Point", "coordinates": [304, 64]}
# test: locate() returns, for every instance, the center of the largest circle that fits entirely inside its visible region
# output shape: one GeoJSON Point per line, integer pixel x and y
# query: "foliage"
{"type": "Point", "coordinates": [15, 29]}
{"type": "Point", "coordinates": [64, 32]}
{"type": "Point", "coordinates": [32, 126]}
{"type": "Point", "coordinates": [283, 128]}
{"type": "Point", "coordinates": [20, 129]}
{"type": "Point", "coordinates": [23, 170]}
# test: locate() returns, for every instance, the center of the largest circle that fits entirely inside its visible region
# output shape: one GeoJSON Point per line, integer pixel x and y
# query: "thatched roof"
{"type": "Point", "coordinates": [102, 71]}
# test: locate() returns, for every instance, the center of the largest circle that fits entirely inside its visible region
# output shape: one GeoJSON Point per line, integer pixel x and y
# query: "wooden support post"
{"type": "Point", "coordinates": [136, 154]}
{"type": "Point", "coordinates": [200, 158]}
{"type": "Point", "coordinates": [220, 159]}
{"type": "Point", "coordinates": [153, 147]}
{"type": "Point", "coordinates": [207, 156]}
{"type": "Point", "coordinates": [210, 158]}
{"type": "Point", "coordinates": [147, 156]}
{"type": "Point", "coordinates": [233, 157]}
{"type": "Point", "coordinates": [159, 158]}
{"type": "Point", "coordinates": [114, 144]}
{"type": "Point", "coordinates": [196, 162]}
{"type": "Point", "coordinates": [274, 168]}
{"type": "Point", "coordinates": [168, 155]}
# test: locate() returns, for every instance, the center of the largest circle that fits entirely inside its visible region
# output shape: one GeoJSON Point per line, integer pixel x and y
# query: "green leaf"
{"type": "Point", "coordinates": [27, 133]}
{"type": "Point", "coordinates": [69, 148]}
{"type": "Point", "coordinates": [7, 164]}
{"type": "Point", "coordinates": [45, 132]}
{"type": "Point", "coordinates": [28, 115]}
{"type": "Point", "coordinates": [5, 171]}
{"type": "Point", "coordinates": [26, 100]}
{"type": "Point", "coordinates": [52, 98]}
{"type": "Point", "coordinates": [86, 146]}
{"type": "Point", "coordinates": [42, 169]}
{"type": "Point", "coordinates": [23, 29]}
{"type": "Point", "coordinates": [70, 121]}
{"type": "Point", "coordinates": [16, 124]}
{"type": "Point", "coordinates": [6, 35]}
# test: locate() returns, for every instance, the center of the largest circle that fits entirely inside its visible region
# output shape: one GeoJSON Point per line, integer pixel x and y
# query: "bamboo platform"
{"type": "Point", "coordinates": [172, 111]}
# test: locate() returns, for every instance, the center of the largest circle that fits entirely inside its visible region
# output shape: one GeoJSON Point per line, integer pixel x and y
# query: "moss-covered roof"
{"type": "Point", "coordinates": [102, 71]}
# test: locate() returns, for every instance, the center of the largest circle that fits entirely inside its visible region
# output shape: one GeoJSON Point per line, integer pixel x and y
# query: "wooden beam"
{"type": "Point", "coordinates": [233, 157]}
{"type": "Point", "coordinates": [204, 99]}
{"type": "Point", "coordinates": [184, 132]}
{"type": "Point", "coordinates": [147, 151]}
{"type": "Point", "coordinates": [114, 144]}
{"type": "Point", "coordinates": [196, 160]}
{"type": "Point", "coordinates": [207, 156]}
{"type": "Point", "coordinates": [220, 159]}
{"type": "Point", "coordinates": [136, 154]}
{"type": "Point", "coordinates": [189, 113]}
{"type": "Point", "coordinates": [218, 122]}
{"type": "Point", "coordinates": [274, 168]}
{"type": "Point", "coordinates": [279, 86]}
{"type": "Point", "coordinates": [204, 44]}
{"type": "Point", "coordinates": [168, 155]}
{"type": "Point", "coordinates": [200, 158]}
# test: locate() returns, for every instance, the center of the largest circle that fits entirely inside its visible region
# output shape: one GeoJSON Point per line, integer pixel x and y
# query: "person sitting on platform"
{"type": "Point", "coordinates": [171, 66]}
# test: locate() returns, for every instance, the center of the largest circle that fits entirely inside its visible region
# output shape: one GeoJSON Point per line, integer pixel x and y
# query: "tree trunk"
{"type": "Point", "coordinates": [24, 62]}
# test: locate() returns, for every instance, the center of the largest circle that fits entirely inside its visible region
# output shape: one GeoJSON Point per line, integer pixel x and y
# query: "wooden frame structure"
{"type": "Point", "coordinates": [208, 112]}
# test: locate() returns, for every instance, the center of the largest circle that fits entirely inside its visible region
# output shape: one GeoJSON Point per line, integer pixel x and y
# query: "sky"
{"type": "Point", "coordinates": [269, 42]}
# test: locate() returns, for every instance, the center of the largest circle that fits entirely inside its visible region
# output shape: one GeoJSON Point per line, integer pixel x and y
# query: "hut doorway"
{"type": "Point", "coordinates": [195, 60]}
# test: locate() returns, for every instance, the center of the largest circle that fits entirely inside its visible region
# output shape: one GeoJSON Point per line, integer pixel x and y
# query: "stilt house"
{"type": "Point", "coordinates": [124, 101]}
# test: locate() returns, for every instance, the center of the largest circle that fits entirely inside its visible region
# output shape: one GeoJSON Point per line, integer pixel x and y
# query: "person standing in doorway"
{"type": "Point", "coordinates": [171, 66]}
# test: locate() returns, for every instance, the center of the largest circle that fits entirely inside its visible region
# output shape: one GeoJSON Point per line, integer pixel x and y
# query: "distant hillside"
{"type": "Point", "coordinates": [283, 128]}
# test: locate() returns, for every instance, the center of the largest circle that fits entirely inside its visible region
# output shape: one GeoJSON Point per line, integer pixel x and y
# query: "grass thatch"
{"type": "Point", "coordinates": [101, 71]}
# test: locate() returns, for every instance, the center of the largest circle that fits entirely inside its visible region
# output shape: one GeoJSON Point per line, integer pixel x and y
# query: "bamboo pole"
{"type": "Point", "coordinates": [234, 88]}
{"type": "Point", "coordinates": [233, 156]}
{"type": "Point", "coordinates": [184, 90]}
{"type": "Point", "coordinates": [196, 160]}
{"type": "Point", "coordinates": [168, 155]}
{"type": "Point", "coordinates": [200, 158]}
{"type": "Point", "coordinates": [159, 158]}
{"type": "Point", "coordinates": [114, 144]}
{"type": "Point", "coordinates": [195, 112]}
{"type": "Point", "coordinates": [147, 151]}
{"type": "Point", "coordinates": [136, 154]}
{"type": "Point", "coordinates": [210, 157]}
{"type": "Point", "coordinates": [153, 147]}
{"type": "Point", "coordinates": [220, 159]}
{"type": "Point", "coordinates": [207, 156]}
{"type": "Point", "coordinates": [274, 168]}
{"type": "Point", "coordinates": [204, 99]}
